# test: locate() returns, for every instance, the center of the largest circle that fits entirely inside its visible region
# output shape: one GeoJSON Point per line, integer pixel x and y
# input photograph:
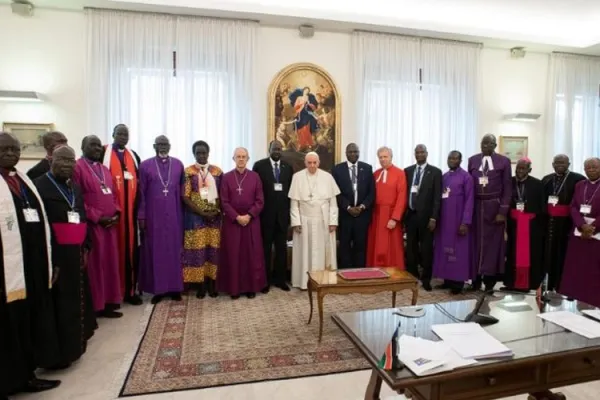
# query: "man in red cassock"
{"type": "Point", "coordinates": [386, 244]}
{"type": "Point", "coordinates": [123, 164]}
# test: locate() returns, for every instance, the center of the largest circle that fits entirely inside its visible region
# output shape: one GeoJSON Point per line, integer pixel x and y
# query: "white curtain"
{"type": "Point", "coordinates": [413, 91]}
{"type": "Point", "coordinates": [574, 107]}
{"type": "Point", "coordinates": [185, 77]}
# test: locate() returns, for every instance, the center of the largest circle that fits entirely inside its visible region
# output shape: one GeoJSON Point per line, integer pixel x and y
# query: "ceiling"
{"type": "Point", "coordinates": [538, 25]}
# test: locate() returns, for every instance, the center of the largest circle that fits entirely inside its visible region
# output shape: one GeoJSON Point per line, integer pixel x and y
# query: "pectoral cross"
{"type": "Point", "coordinates": [239, 190]}
{"type": "Point", "coordinates": [165, 191]}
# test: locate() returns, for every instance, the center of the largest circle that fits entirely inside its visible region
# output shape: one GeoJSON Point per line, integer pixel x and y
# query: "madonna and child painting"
{"type": "Point", "coordinates": [304, 114]}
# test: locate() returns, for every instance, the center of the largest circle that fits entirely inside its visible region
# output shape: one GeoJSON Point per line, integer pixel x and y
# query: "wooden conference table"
{"type": "Point", "coordinates": [546, 356]}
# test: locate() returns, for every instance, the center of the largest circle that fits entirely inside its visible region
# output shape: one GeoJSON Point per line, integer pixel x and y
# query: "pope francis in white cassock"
{"type": "Point", "coordinates": [314, 215]}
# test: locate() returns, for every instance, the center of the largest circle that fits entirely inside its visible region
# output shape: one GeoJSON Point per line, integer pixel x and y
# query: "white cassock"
{"type": "Point", "coordinates": [314, 208]}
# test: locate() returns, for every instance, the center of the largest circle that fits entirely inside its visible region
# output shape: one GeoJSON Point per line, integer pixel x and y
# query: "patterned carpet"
{"type": "Point", "coordinates": [213, 342]}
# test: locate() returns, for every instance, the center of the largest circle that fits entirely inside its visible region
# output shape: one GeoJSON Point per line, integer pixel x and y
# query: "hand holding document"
{"type": "Point", "coordinates": [587, 221]}
{"type": "Point", "coordinates": [471, 341]}
{"type": "Point", "coordinates": [575, 323]}
{"type": "Point", "coordinates": [425, 357]}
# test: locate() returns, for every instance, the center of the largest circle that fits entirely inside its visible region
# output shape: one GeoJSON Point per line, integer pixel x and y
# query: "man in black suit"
{"type": "Point", "coordinates": [276, 177]}
{"type": "Point", "coordinates": [357, 187]}
{"type": "Point", "coordinates": [424, 183]}
{"type": "Point", "coordinates": [50, 140]}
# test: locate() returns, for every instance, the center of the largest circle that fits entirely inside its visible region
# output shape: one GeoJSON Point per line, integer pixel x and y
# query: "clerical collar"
{"type": "Point", "coordinates": [594, 182]}
{"type": "Point", "coordinates": [202, 166]}
{"type": "Point", "coordinates": [90, 161]}
{"type": "Point", "coordinates": [8, 171]}
{"type": "Point", "coordinates": [116, 147]}
{"type": "Point", "coordinates": [522, 180]}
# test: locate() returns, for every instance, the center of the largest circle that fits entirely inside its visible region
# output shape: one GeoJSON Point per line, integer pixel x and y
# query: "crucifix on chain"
{"type": "Point", "coordinates": [165, 191]}
{"type": "Point", "coordinates": [239, 190]}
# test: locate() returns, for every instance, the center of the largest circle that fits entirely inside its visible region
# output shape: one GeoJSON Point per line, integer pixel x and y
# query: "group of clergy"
{"type": "Point", "coordinates": [81, 236]}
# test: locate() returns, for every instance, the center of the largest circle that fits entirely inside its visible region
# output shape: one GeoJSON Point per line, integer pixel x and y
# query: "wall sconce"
{"type": "Point", "coordinates": [20, 96]}
{"type": "Point", "coordinates": [522, 117]}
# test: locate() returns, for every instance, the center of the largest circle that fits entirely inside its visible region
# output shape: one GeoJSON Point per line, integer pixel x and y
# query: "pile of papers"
{"type": "Point", "coordinates": [575, 323]}
{"type": "Point", "coordinates": [425, 357]}
{"type": "Point", "coordinates": [471, 341]}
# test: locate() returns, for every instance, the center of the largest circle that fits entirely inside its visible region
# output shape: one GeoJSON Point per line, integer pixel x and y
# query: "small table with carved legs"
{"type": "Point", "coordinates": [329, 282]}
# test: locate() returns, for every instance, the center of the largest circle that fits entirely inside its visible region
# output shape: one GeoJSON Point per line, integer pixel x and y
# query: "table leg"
{"type": "Point", "coordinates": [415, 296]}
{"type": "Point", "coordinates": [393, 299]}
{"type": "Point", "coordinates": [320, 296]}
{"type": "Point", "coordinates": [310, 300]}
{"type": "Point", "coordinates": [374, 388]}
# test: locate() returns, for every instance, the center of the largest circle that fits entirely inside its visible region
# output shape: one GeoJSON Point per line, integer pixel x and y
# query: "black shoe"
{"type": "Point", "coordinates": [214, 294]}
{"type": "Point", "coordinates": [427, 286]}
{"type": "Point", "coordinates": [442, 286]}
{"type": "Point", "coordinates": [283, 286]}
{"type": "Point", "coordinates": [157, 299]}
{"type": "Point", "coordinates": [134, 300]}
{"type": "Point", "coordinates": [175, 296]}
{"type": "Point", "coordinates": [109, 314]}
{"type": "Point", "coordinates": [201, 293]}
{"type": "Point", "coordinates": [456, 291]}
{"type": "Point", "coordinates": [235, 297]}
{"type": "Point", "coordinates": [212, 288]}
{"type": "Point", "coordinates": [266, 289]}
{"type": "Point", "coordinates": [250, 295]}
{"type": "Point", "coordinates": [40, 385]}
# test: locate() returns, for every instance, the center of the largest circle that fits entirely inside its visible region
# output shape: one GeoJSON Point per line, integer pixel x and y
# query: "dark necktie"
{"type": "Point", "coordinates": [486, 167]}
{"type": "Point", "coordinates": [418, 177]}
{"type": "Point", "coordinates": [353, 174]}
{"type": "Point", "coordinates": [277, 172]}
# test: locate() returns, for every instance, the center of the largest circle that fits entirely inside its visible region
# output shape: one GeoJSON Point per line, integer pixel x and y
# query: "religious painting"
{"type": "Point", "coordinates": [305, 115]}
{"type": "Point", "coordinates": [30, 136]}
{"type": "Point", "coordinates": [514, 147]}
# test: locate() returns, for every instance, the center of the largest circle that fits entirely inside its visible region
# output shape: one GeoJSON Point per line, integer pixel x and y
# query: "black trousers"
{"type": "Point", "coordinates": [275, 236]}
{"type": "Point", "coordinates": [352, 235]}
{"type": "Point", "coordinates": [419, 246]}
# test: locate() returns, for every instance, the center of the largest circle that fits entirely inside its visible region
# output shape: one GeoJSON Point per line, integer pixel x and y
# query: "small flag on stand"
{"type": "Point", "coordinates": [389, 361]}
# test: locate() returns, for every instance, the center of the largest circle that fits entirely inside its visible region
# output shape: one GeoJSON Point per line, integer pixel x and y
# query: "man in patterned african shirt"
{"type": "Point", "coordinates": [202, 222]}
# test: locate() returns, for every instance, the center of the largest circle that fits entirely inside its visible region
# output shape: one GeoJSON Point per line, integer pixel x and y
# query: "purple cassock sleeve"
{"type": "Point", "coordinates": [259, 201]}
{"type": "Point", "coordinates": [469, 200]}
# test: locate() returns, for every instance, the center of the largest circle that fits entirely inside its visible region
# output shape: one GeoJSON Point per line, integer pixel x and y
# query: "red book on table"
{"type": "Point", "coordinates": [363, 273]}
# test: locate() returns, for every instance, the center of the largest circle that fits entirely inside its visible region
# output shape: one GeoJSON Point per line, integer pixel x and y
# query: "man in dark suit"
{"type": "Point", "coordinates": [424, 197]}
{"type": "Point", "coordinates": [357, 187]}
{"type": "Point", "coordinates": [276, 177]}
{"type": "Point", "coordinates": [50, 140]}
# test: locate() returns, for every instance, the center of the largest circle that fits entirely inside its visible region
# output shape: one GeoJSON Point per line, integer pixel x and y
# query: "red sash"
{"type": "Point", "coordinates": [69, 234]}
{"type": "Point", "coordinates": [117, 173]}
{"type": "Point", "coordinates": [522, 256]}
{"type": "Point", "coordinates": [559, 210]}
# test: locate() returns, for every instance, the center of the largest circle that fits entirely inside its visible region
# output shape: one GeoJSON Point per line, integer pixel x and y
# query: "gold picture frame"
{"type": "Point", "coordinates": [305, 114]}
{"type": "Point", "coordinates": [514, 147]}
{"type": "Point", "coordinates": [30, 136]}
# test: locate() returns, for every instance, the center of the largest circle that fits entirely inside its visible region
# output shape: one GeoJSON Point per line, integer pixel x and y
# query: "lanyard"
{"type": "Point", "coordinates": [520, 193]}
{"type": "Point", "coordinates": [585, 194]}
{"type": "Point", "coordinates": [102, 178]}
{"type": "Point", "coordinates": [68, 195]}
{"type": "Point", "coordinates": [557, 192]}
{"type": "Point", "coordinates": [24, 194]}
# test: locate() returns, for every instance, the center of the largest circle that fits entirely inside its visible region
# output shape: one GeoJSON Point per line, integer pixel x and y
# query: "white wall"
{"type": "Point", "coordinates": [46, 53]}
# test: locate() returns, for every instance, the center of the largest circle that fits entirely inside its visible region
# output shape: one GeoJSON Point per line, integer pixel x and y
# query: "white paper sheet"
{"type": "Point", "coordinates": [575, 323]}
{"type": "Point", "coordinates": [471, 341]}
{"type": "Point", "coordinates": [588, 221]}
{"type": "Point", "coordinates": [426, 357]}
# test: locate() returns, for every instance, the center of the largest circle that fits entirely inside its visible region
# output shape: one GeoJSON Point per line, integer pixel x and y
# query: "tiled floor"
{"type": "Point", "coordinates": [100, 374]}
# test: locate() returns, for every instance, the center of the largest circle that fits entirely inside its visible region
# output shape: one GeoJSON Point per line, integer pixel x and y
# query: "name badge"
{"type": "Point", "coordinates": [278, 187]}
{"type": "Point", "coordinates": [31, 215]}
{"type": "Point", "coordinates": [106, 190]}
{"type": "Point", "coordinates": [553, 200]}
{"type": "Point", "coordinates": [127, 176]}
{"type": "Point", "coordinates": [414, 189]}
{"type": "Point", "coordinates": [585, 209]}
{"type": "Point", "coordinates": [483, 180]}
{"type": "Point", "coordinates": [204, 193]}
{"type": "Point", "coordinates": [521, 206]}
{"type": "Point", "coordinates": [445, 195]}
{"type": "Point", "coordinates": [73, 217]}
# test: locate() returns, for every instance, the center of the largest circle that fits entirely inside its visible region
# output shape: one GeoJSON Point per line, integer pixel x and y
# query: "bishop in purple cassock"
{"type": "Point", "coordinates": [242, 269]}
{"type": "Point", "coordinates": [102, 212]}
{"type": "Point", "coordinates": [160, 216]}
{"type": "Point", "coordinates": [581, 277]}
{"type": "Point", "coordinates": [453, 247]}
{"type": "Point", "coordinates": [492, 179]}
